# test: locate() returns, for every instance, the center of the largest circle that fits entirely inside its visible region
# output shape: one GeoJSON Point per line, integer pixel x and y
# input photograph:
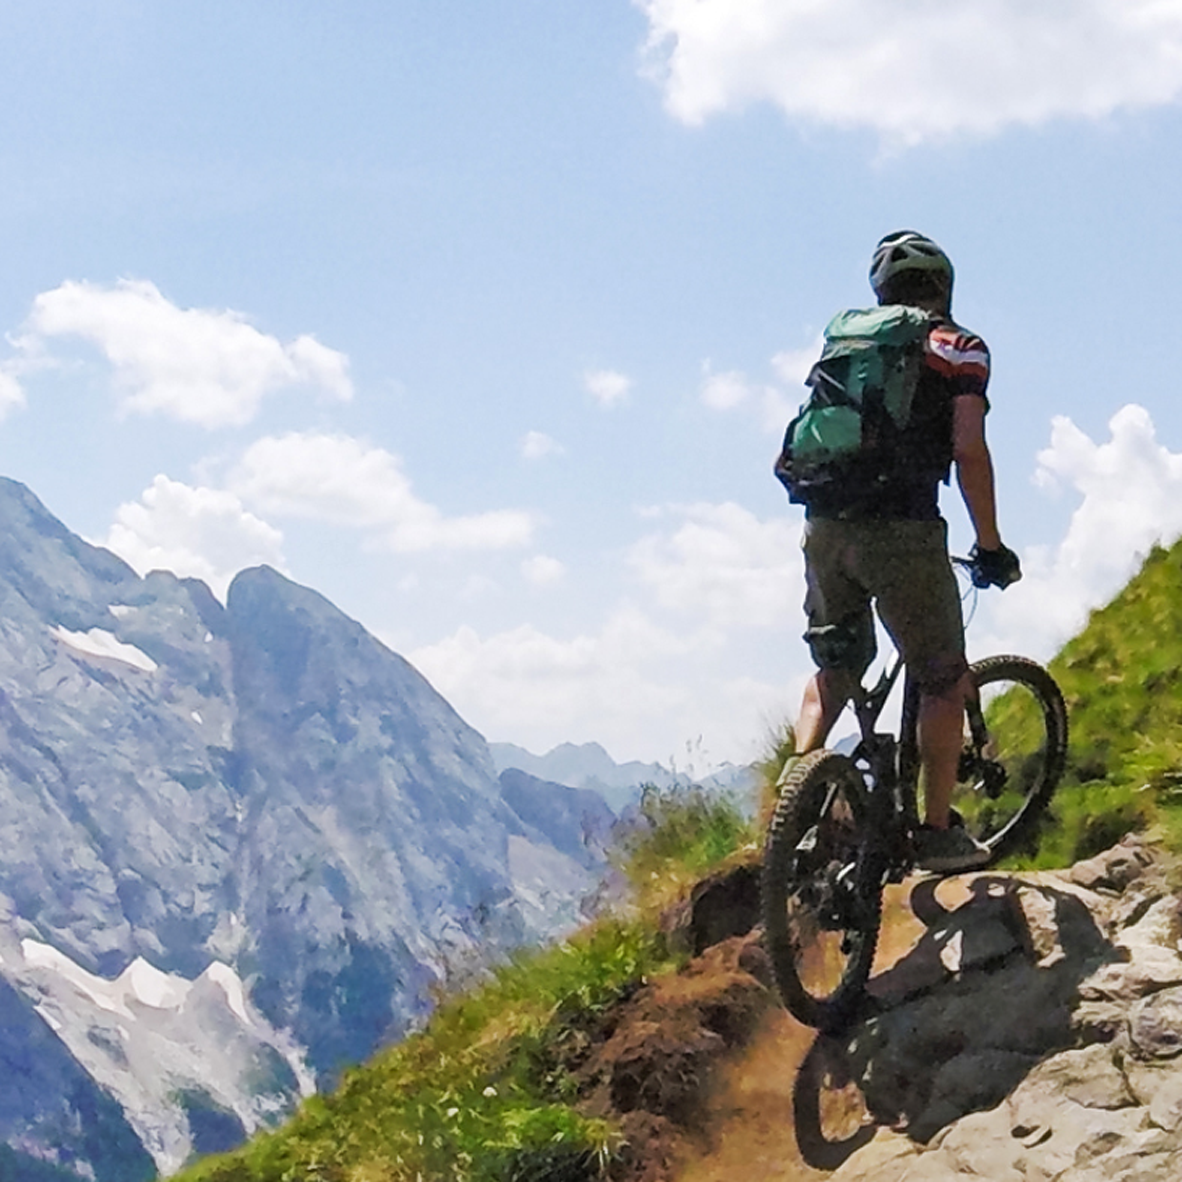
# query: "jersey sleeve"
{"type": "Point", "coordinates": [959, 357]}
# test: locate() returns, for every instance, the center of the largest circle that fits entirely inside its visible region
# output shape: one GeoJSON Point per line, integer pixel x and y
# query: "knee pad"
{"type": "Point", "coordinates": [847, 645]}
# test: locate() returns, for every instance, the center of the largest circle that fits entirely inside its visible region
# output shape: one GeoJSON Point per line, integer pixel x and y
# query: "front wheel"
{"type": "Point", "coordinates": [1015, 745]}
{"type": "Point", "coordinates": [821, 890]}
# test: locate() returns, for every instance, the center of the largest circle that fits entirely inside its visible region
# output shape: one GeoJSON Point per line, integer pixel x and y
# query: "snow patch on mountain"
{"type": "Point", "coordinates": [100, 643]}
{"type": "Point", "coordinates": [157, 1040]}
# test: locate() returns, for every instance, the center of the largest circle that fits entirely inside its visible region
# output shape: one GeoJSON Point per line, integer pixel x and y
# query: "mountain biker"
{"type": "Point", "coordinates": [893, 550]}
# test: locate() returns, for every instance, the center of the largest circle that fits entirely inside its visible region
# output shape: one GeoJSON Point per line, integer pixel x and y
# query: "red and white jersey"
{"type": "Point", "coordinates": [958, 356]}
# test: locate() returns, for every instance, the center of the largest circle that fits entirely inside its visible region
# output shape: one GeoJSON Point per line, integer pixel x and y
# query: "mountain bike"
{"type": "Point", "coordinates": [843, 825]}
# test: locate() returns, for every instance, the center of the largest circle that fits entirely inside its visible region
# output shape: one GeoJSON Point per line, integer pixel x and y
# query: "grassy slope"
{"type": "Point", "coordinates": [482, 1094]}
{"type": "Point", "coordinates": [1122, 680]}
{"type": "Point", "coordinates": [474, 1096]}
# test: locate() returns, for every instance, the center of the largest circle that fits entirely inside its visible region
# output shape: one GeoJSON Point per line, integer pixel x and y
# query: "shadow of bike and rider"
{"type": "Point", "coordinates": [953, 1026]}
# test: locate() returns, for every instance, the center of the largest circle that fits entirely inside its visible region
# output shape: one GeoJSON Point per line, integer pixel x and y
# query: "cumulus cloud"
{"type": "Point", "coordinates": [779, 403]}
{"type": "Point", "coordinates": [197, 365]}
{"type": "Point", "coordinates": [536, 445]}
{"type": "Point", "coordinates": [724, 391]}
{"type": "Point", "coordinates": [544, 689]}
{"type": "Point", "coordinates": [642, 690]}
{"type": "Point", "coordinates": [724, 564]}
{"type": "Point", "coordinates": [1130, 490]}
{"type": "Point", "coordinates": [716, 589]}
{"type": "Point", "coordinates": [607, 386]}
{"type": "Point", "coordinates": [792, 366]}
{"type": "Point", "coordinates": [770, 404]}
{"type": "Point", "coordinates": [915, 71]}
{"type": "Point", "coordinates": [343, 480]}
{"type": "Point", "coordinates": [12, 394]}
{"type": "Point", "coordinates": [543, 571]}
{"type": "Point", "coordinates": [203, 533]}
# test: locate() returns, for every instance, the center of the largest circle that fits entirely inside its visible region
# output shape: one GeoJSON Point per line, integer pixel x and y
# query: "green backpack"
{"type": "Point", "coordinates": [848, 440]}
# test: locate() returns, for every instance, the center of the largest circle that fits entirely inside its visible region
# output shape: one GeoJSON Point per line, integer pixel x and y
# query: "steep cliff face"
{"type": "Point", "coordinates": [372, 824]}
{"type": "Point", "coordinates": [237, 845]}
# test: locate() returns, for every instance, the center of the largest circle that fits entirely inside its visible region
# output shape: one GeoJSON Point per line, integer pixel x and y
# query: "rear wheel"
{"type": "Point", "coordinates": [1015, 744]}
{"type": "Point", "coordinates": [821, 890]}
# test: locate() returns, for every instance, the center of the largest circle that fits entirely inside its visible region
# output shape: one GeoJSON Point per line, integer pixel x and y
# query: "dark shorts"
{"type": "Point", "coordinates": [900, 566]}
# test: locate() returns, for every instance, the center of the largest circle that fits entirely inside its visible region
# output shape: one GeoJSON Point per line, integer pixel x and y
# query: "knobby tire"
{"type": "Point", "coordinates": [821, 890]}
{"type": "Point", "coordinates": [1032, 761]}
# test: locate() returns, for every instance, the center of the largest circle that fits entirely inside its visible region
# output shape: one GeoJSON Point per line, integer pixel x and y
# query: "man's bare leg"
{"type": "Point", "coordinates": [825, 697]}
{"type": "Point", "coordinates": [941, 736]}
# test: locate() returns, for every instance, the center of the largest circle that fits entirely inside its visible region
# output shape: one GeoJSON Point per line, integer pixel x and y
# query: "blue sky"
{"type": "Point", "coordinates": [485, 321]}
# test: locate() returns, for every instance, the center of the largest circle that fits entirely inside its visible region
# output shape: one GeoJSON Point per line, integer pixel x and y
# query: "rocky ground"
{"type": "Point", "coordinates": [1020, 1027]}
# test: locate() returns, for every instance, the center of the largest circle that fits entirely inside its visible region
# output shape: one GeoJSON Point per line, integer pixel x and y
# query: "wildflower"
{"type": "Point", "coordinates": [490, 1091]}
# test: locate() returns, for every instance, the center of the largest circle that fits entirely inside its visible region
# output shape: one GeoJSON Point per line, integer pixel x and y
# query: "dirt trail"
{"type": "Point", "coordinates": [751, 1119]}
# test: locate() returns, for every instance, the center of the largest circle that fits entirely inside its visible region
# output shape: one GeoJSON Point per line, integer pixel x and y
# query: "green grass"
{"type": "Point", "coordinates": [482, 1094]}
{"type": "Point", "coordinates": [487, 1091]}
{"type": "Point", "coordinates": [681, 833]}
{"type": "Point", "coordinates": [1122, 681]}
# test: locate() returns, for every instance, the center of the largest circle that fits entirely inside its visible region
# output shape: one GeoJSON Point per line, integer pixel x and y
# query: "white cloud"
{"type": "Point", "coordinates": [12, 395]}
{"type": "Point", "coordinates": [724, 391]}
{"type": "Point", "coordinates": [916, 70]}
{"type": "Point", "coordinates": [204, 533]}
{"type": "Point", "coordinates": [1131, 497]}
{"type": "Point", "coordinates": [340, 479]}
{"type": "Point", "coordinates": [543, 571]}
{"type": "Point", "coordinates": [641, 690]}
{"type": "Point", "coordinates": [776, 410]}
{"type": "Point", "coordinates": [197, 365]}
{"type": "Point", "coordinates": [536, 445]}
{"type": "Point", "coordinates": [544, 690]}
{"type": "Point", "coordinates": [770, 404]}
{"type": "Point", "coordinates": [607, 386]}
{"type": "Point", "coordinates": [724, 563]}
{"type": "Point", "coordinates": [792, 366]}
{"type": "Point", "coordinates": [721, 589]}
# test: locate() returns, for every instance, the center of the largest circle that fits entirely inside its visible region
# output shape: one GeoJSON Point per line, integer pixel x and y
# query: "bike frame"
{"type": "Point", "coordinates": [890, 766]}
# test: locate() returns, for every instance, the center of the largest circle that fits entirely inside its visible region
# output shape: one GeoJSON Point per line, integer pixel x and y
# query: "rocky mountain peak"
{"type": "Point", "coordinates": [253, 824]}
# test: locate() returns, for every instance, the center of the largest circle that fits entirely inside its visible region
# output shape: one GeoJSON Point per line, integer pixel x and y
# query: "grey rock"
{"type": "Point", "coordinates": [1089, 1077]}
{"type": "Point", "coordinates": [1061, 1063]}
{"type": "Point", "coordinates": [1155, 1025]}
{"type": "Point", "coordinates": [1114, 869]}
{"type": "Point", "coordinates": [52, 1109]}
{"type": "Point", "coordinates": [1165, 1105]}
{"type": "Point", "coordinates": [576, 821]}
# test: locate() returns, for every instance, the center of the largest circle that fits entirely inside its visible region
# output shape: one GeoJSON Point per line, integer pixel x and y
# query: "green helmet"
{"type": "Point", "coordinates": [905, 250]}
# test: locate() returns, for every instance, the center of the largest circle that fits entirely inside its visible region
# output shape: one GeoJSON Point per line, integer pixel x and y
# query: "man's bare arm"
{"type": "Point", "coordinates": [974, 468]}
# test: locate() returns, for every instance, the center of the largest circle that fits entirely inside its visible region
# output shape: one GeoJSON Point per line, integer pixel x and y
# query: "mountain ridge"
{"type": "Point", "coordinates": [588, 765]}
{"type": "Point", "coordinates": [251, 820]}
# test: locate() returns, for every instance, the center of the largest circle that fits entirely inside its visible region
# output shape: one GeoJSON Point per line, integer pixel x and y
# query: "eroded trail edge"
{"type": "Point", "coordinates": [1018, 1026]}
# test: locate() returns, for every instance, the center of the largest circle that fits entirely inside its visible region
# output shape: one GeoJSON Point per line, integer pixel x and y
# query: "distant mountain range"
{"type": "Point", "coordinates": [240, 845]}
{"type": "Point", "coordinates": [588, 765]}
